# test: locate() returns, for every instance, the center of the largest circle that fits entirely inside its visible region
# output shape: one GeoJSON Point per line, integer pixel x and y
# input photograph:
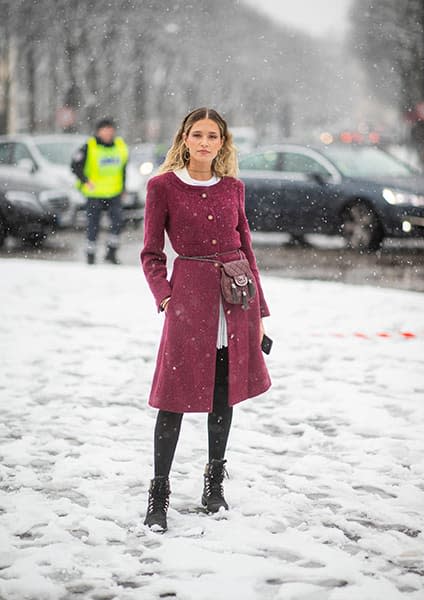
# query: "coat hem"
{"type": "Point", "coordinates": [253, 394]}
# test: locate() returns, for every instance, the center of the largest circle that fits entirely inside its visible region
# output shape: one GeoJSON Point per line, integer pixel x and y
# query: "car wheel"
{"type": "Point", "coordinates": [35, 239]}
{"type": "Point", "coordinates": [361, 227]}
{"type": "Point", "coordinates": [298, 239]}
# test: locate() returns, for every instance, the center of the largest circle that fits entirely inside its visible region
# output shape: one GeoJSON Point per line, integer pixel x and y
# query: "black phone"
{"type": "Point", "coordinates": [266, 344]}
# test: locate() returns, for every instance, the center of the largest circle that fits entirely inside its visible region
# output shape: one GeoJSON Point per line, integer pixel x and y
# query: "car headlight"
{"type": "Point", "coordinates": [146, 168]}
{"type": "Point", "coordinates": [398, 197]}
{"type": "Point", "coordinates": [23, 198]}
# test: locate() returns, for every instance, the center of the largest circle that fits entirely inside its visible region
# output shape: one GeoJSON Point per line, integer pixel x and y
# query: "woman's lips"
{"type": "Point", "coordinates": [204, 151]}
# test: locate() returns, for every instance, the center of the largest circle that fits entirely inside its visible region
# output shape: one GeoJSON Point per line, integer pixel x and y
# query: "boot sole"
{"type": "Point", "coordinates": [205, 504]}
{"type": "Point", "coordinates": [156, 528]}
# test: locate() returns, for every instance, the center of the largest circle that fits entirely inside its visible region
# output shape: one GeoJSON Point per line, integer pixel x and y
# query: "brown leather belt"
{"type": "Point", "coordinates": [210, 257]}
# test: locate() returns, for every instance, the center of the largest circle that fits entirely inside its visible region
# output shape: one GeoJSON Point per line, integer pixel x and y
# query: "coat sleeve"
{"type": "Point", "coordinates": [246, 246]}
{"type": "Point", "coordinates": [152, 256]}
{"type": "Point", "coordinates": [78, 163]}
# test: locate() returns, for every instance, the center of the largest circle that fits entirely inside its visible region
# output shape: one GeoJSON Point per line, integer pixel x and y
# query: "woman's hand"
{"type": "Point", "coordinates": [261, 331]}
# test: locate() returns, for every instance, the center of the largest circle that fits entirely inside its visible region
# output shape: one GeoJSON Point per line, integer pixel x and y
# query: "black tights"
{"type": "Point", "coordinates": [168, 424]}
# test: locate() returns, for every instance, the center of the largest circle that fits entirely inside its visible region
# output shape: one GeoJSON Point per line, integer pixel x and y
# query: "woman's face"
{"type": "Point", "coordinates": [204, 140]}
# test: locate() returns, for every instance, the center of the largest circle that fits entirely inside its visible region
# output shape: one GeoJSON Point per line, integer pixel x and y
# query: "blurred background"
{"type": "Point", "coordinates": [325, 99]}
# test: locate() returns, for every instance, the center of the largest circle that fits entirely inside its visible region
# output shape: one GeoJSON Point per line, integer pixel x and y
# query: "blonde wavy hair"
{"type": "Point", "coordinates": [225, 162]}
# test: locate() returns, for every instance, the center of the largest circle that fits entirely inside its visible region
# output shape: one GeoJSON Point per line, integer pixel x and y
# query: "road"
{"type": "Point", "coordinates": [399, 264]}
{"type": "Point", "coordinates": [326, 473]}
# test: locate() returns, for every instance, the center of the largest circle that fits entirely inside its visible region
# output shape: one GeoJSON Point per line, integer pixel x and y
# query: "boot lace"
{"type": "Point", "coordinates": [158, 497]}
{"type": "Point", "coordinates": [214, 478]}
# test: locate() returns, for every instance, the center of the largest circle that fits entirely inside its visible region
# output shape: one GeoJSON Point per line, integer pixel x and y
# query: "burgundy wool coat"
{"type": "Point", "coordinates": [200, 220]}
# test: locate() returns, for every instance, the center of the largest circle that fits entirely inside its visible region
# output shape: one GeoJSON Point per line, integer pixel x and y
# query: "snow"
{"type": "Point", "coordinates": [326, 469]}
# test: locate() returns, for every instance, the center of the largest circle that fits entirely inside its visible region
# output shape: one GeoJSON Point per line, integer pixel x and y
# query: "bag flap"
{"type": "Point", "coordinates": [237, 267]}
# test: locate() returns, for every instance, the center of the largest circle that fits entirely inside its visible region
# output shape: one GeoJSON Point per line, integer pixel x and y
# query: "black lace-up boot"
{"type": "Point", "coordinates": [213, 491]}
{"type": "Point", "coordinates": [111, 256]}
{"type": "Point", "coordinates": [158, 503]}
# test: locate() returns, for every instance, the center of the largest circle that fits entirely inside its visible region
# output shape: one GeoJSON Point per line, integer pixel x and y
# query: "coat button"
{"type": "Point", "coordinates": [232, 336]}
{"type": "Point", "coordinates": [204, 195]}
{"type": "Point", "coordinates": [214, 242]}
{"type": "Point", "coordinates": [216, 264]}
{"type": "Point", "coordinates": [228, 311]}
{"type": "Point", "coordinates": [210, 217]}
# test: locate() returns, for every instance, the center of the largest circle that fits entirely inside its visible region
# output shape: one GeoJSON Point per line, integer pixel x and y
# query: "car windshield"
{"type": "Point", "coordinates": [58, 153]}
{"type": "Point", "coordinates": [367, 161]}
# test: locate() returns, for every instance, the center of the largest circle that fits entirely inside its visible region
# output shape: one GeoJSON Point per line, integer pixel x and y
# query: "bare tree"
{"type": "Point", "coordinates": [5, 74]}
{"type": "Point", "coordinates": [148, 63]}
{"type": "Point", "coordinates": [389, 38]}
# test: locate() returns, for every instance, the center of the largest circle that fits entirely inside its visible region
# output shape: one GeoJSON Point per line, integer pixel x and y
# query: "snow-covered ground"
{"type": "Point", "coordinates": [326, 469]}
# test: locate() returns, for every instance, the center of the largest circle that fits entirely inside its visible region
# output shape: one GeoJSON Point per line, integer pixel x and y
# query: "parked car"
{"type": "Point", "coordinates": [360, 192]}
{"type": "Point", "coordinates": [48, 158]}
{"type": "Point", "coordinates": [29, 210]}
{"type": "Point", "coordinates": [143, 161]}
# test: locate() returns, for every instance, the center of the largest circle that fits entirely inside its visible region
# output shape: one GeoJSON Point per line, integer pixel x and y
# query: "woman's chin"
{"type": "Point", "coordinates": [204, 158]}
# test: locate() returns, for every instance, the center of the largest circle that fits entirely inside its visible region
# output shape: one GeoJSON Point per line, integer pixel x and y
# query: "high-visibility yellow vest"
{"type": "Point", "coordinates": [104, 167]}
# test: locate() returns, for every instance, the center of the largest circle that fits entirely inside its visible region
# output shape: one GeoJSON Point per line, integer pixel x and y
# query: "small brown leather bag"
{"type": "Point", "coordinates": [237, 282]}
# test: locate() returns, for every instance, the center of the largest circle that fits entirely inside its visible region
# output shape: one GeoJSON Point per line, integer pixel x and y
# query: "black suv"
{"type": "Point", "coordinates": [29, 211]}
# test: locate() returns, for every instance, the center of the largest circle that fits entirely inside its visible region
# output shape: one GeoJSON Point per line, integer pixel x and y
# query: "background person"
{"type": "Point", "coordinates": [100, 167]}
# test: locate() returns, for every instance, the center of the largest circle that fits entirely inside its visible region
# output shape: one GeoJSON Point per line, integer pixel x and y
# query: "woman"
{"type": "Point", "coordinates": [209, 356]}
